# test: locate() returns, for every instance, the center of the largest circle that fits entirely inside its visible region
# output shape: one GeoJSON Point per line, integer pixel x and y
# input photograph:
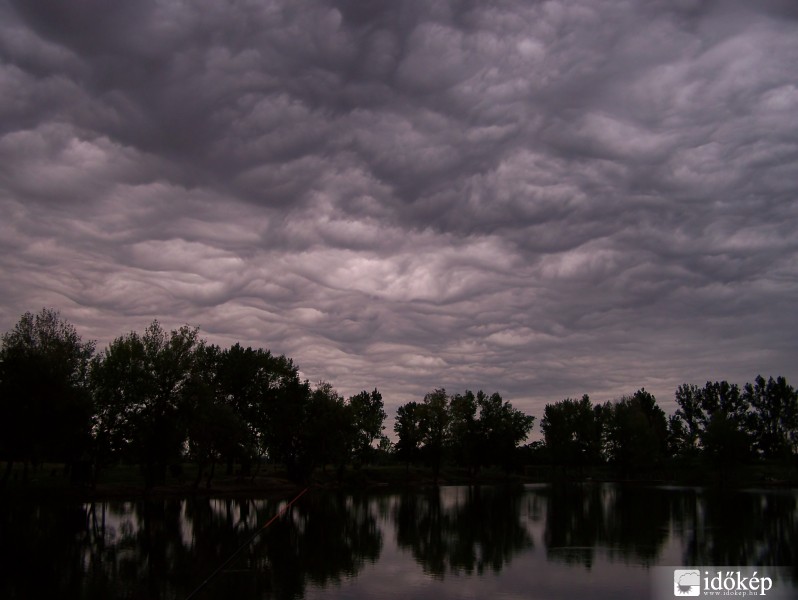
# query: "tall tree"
{"type": "Point", "coordinates": [140, 384]}
{"type": "Point", "coordinates": [725, 435]}
{"type": "Point", "coordinates": [572, 431]}
{"type": "Point", "coordinates": [434, 425]}
{"type": "Point", "coordinates": [774, 420]}
{"type": "Point", "coordinates": [636, 432]}
{"type": "Point", "coordinates": [45, 408]}
{"type": "Point", "coordinates": [678, 437]}
{"type": "Point", "coordinates": [408, 427]}
{"type": "Point", "coordinates": [252, 382]}
{"type": "Point", "coordinates": [368, 415]}
{"type": "Point", "coordinates": [501, 429]}
{"type": "Point", "coordinates": [725, 397]}
{"type": "Point", "coordinates": [465, 437]}
{"type": "Point", "coordinates": [690, 412]}
{"type": "Point", "coordinates": [329, 431]}
{"type": "Point", "coordinates": [284, 420]}
{"type": "Point", "coordinates": [216, 432]}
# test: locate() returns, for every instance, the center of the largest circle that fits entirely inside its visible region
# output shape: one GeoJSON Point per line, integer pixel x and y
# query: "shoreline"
{"type": "Point", "coordinates": [122, 484]}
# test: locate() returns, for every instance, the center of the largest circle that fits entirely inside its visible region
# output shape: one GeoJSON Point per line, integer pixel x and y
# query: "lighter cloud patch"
{"type": "Point", "coordinates": [323, 221]}
{"type": "Point", "coordinates": [390, 349]}
{"type": "Point", "coordinates": [421, 361]}
{"type": "Point", "coordinates": [623, 139]}
{"type": "Point", "coordinates": [489, 134]}
{"type": "Point", "coordinates": [703, 168]}
{"type": "Point", "coordinates": [244, 233]}
{"type": "Point", "coordinates": [445, 274]}
{"type": "Point", "coordinates": [781, 99]}
{"type": "Point", "coordinates": [195, 288]}
{"type": "Point", "coordinates": [584, 262]}
{"type": "Point", "coordinates": [750, 239]}
{"type": "Point", "coordinates": [426, 269]}
{"type": "Point", "coordinates": [180, 255]}
{"type": "Point", "coordinates": [517, 337]}
{"type": "Point", "coordinates": [306, 316]}
{"type": "Point", "coordinates": [531, 48]}
{"type": "Point", "coordinates": [55, 163]}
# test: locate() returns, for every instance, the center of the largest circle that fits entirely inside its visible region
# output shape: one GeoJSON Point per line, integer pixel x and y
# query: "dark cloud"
{"type": "Point", "coordinates": [539, 198]}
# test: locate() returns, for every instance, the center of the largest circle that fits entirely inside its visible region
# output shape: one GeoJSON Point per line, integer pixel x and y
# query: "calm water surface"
{"type": "Point", "coordinates": [543, 541]}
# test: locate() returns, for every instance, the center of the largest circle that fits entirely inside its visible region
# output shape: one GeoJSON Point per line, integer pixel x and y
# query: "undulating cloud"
{"type": "Point", "coordinates": [538, 198]}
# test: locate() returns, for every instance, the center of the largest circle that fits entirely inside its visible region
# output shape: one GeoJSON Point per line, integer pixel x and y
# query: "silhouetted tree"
{"type": "Point", "coordinates": [139, 393]}
{"type": "Point", "coordinates": [690, 412]}
{"type": "Point", "coordinates": [501, 429]}
{"type": "Point", "coordinates": [464, 432]}
{"type": "Point", "coordinates": [475, 429]}
{"type": "Point", "coordinates": [678, 437]}
{"type": "Point", "coordinates": [120, 383]}
{"type": "Point", "coordinates": [284, 432]}
{"type": "Point", "coordinates": [434, 426]}
{"type": "Point", "coordinates": [636, 432]}
{"type": "Point", "coordinates": [724, 397]}
{"type": "Point", "coordinates": [215, 431]}
{"type": "Point", "coordinates": [724, 442]}
{"type": "Point", "coordinates": [252, 382]}
{"type": "Point", "coordinates": [368, 416]}
{"type": "Point", "coordinates": [725, 434]}
{"type": "Point", "coordinates": [45, 408]}
{"type": "Point", "coordinates": [150, 398]}
{"type": "Point", "coordinates": [572, 430]}
{"type": "Point", "coordinates": [409, 430]}
{"type": "Point", "coordinates": [329, 431]}
{"type": "Point", "coordinates": [774, 421]}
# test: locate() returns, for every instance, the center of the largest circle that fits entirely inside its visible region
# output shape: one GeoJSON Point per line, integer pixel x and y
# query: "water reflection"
{"type": "Point", "coordinates": [744, 528]}
{"type": "Point", "coordinates": [467, 530]}
{"type": "Point", "coordinates": [328, 541]}
{"type": "Point", "coordinates": [626, 523]}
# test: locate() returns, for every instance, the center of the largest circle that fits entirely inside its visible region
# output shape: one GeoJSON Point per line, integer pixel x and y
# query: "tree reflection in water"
{"type": "Point", "coordinates": [628, 523]}
{"type": "Point", "coordinates": [163, 549]}
{"type": "Point", "coordinates": [479, 528]}
{"type": "Point", "coordinates": [746, 528]}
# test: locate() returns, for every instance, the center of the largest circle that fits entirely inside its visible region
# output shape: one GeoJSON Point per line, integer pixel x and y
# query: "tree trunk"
{"type": "Point", "coordinates": [200, 469]}
{"type": "Point", "coordinates": [210, 475]}
{"type": "Point", "coordinates": [7, 473]}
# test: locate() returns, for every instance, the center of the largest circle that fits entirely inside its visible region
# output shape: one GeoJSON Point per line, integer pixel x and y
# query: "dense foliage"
{"type": "Point", "coordinates": [163, 397]}
{"type": "Point", "coordinates": [720, 425]}
{"type": "Point", "coordinates": [159, 398]}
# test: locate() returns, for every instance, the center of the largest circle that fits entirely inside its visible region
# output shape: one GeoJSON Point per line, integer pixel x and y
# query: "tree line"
{"type": "Point", "coordinates": [160, 398]}
{"type": "Point", "coordinates": [719, 425]}
{"type": "Point", "coordinates": [472, 430]}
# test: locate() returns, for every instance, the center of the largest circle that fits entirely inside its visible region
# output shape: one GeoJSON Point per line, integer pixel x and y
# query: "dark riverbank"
{"type": "Point", "coordinates": [127, 482]}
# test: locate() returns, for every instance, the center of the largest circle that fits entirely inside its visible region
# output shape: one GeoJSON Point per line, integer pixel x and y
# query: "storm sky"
{"type": "Point", "coordinates": [542, 199]}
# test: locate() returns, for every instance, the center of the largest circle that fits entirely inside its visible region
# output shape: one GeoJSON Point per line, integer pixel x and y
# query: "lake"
{"type": "Point", "coordinates": [591, 540]}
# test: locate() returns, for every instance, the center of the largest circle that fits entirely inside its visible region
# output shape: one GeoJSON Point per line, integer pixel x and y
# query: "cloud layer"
{"type": "Point", "coordinates": [538, 198]}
